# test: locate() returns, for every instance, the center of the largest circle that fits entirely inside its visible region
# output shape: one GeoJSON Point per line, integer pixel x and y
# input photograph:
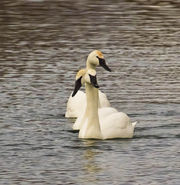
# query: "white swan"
{"type": "Point", "coordinates": [107, 122]}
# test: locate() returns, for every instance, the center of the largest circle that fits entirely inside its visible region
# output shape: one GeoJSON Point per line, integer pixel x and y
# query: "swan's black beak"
{"type": "Point", "coordinates": [102, 63]}
{"type": "Point", "coordinates": [77, 86]}
{"type": "Point", "coordinates": [93, 80]}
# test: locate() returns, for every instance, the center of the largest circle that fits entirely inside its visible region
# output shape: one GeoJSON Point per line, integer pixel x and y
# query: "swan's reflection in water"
{"type": "Point", "coordinates": [91, 166]}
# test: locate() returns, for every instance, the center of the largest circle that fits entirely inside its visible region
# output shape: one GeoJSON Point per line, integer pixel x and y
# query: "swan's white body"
{"type": "Point", "coordinates": [76, 105]}
{"type": "Point", "coordinates": [102, 123]}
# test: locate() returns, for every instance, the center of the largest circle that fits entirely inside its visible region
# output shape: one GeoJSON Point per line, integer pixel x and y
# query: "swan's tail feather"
{"type": "Point", "coordinates": [134, 124]}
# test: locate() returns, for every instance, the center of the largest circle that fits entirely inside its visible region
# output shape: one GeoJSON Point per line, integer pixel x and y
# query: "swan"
{"type": "Point", "coordinates": [105, 123]}
{"type": "Point", "coordinates": [76, 104]}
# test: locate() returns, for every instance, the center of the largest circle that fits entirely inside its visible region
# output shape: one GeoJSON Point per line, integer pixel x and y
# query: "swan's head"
{"type": "Point", "coordinates": [96, 58]}
{"type": "Point", "coordinates": [85, 76]}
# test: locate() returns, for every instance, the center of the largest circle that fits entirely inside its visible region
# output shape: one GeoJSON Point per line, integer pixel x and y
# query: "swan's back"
{"type": "Point", "coordinates": [117, 125]}
{"type": "Point", "coordinates": [103, 101]}
{"type": "Point", "coordinates": [105, 111]}
{"type": "Point", "coordinates": [76, 105]}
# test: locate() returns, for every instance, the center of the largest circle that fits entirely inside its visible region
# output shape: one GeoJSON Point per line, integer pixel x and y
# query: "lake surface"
{"type": "Point", "coordinates": [43, 43]}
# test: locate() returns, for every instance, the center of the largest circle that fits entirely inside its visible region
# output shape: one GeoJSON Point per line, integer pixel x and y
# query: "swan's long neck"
{"type": "Point", "coordinates": [92, 127]}
{"type": "Point", "coordinates": [89, 65]}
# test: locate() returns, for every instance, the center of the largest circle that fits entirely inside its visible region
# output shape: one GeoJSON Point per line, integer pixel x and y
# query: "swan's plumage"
{"type": "Point", "coordinates": [117, 125]}
{"type": "Point", "coordinates": [76, 105]}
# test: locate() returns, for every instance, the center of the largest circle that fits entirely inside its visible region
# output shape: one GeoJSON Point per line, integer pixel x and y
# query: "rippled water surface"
{"type": "Point", "coordinates": [42, 45]}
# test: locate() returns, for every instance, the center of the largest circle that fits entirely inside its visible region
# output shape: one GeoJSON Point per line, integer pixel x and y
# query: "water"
{"type": "Point", "coordinates": [42, 45]}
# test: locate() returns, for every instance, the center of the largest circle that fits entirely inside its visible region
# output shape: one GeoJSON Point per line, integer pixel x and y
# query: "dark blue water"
{"type": "Point", "coordinates": [43, 43]}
